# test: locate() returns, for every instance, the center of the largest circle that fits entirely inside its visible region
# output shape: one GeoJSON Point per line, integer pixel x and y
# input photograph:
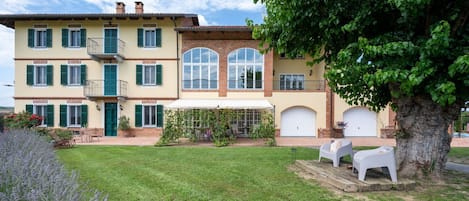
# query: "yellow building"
{"type": "Point", "coordinates": [86, 70]}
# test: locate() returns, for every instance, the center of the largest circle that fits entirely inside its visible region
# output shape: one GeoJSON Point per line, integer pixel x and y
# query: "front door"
{"type": "Point", "coordinates": [110, 79]}
{"type": "Point", "coordinates": [110, 40]}
{"type": "Point", "coordinates": [110, 119]}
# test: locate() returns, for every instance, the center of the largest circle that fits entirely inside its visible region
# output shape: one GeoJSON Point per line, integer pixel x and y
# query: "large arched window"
{"type": "Point", "coordinates": [245, 69]}
{"type": "Point", "coordinates": [200, 69]}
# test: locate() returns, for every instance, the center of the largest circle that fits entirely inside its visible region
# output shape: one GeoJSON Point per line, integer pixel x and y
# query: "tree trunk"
{"type": "Point", "coordinates": [423, 141]}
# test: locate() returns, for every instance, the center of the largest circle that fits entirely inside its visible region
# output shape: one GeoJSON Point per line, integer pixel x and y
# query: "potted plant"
{"type": "Point", "coordinates": [124, 126]}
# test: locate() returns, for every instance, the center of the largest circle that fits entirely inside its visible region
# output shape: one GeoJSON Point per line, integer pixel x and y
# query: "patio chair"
{"type": "Point", "coordinates": [336, 150]}
{"type": "Point", "coordinates": [380, 157]}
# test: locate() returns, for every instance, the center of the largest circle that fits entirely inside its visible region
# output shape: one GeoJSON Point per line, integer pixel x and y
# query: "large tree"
{"type": "Point", "coordinates": [410, 54]}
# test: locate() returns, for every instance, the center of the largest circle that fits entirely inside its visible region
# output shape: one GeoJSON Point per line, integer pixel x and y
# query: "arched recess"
{"type": "Point", "coordinates": [298, 121]}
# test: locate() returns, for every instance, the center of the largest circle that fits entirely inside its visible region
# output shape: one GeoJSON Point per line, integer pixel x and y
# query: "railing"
{"type": "Point", "coordinates": [299, 85]}
{"type": "Point", "coordinates": [105, 47]}
{"type": "Point", "coordinates": [245, 84]}
{"type": "Point", "coordinates": [104, 88]}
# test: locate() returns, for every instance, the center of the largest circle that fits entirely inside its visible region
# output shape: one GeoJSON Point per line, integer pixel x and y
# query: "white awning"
{"type": "Point", "coordinates": [219, 104]}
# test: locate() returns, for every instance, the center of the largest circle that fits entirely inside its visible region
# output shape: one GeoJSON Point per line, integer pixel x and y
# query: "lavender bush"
{"type": "Point", "coordinates": [29, 170]}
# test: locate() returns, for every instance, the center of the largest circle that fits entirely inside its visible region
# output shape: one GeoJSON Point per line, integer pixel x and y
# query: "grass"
{"type": "Point", "coordinates": [194, 173]}
{"type": "Point", "coordinates": [230, 173]}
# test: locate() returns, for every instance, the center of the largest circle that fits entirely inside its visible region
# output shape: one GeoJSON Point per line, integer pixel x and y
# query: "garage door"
{"type": "Point", "coordinates": [298, 121]}
{"type": "Point", "coordinates": [360, 122]}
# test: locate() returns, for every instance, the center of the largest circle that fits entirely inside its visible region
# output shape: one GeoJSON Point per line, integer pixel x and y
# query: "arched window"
{"type": "Point", "coordinates": [200, 69]}
{"type": "Point", "coordinates": [245, 69]}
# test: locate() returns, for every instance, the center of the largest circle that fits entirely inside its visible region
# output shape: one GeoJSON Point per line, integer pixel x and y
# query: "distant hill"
{"type": "Point", "coordinates": [4, 109]}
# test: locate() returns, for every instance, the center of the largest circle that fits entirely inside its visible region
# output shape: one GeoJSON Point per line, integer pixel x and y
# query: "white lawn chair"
{"type": "Point", "coordinates": [380, 157]}
{"type": "Point", "coordinates": [343, 148]}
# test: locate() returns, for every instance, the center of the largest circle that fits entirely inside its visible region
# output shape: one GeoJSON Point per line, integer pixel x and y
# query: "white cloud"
{"type": "Point", "coordinates": [178, 6]}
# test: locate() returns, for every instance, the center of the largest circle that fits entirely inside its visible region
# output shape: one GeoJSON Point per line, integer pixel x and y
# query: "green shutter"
{"type": "Point", "coordinates": [30, 37]}
{"type": "Point", "coordinates": [139, 74]}
{"type": "Point", "coordinates": [159, 74]}
{"type": "Point", "coordinates": [140, 37]}
{"type": "Point", "coordinates": [64, 74]}
{"type": "Point", "coordinates": [159, 115]}
{"type": "Point", "coordinates": [82, 37]}
{"type": "Point", "coordinates": [63, 116]}
{"type": "Point", "coordinates": [83, 74]}
{"type": "Point", "coordinates": [49, 37]}
{"type": "Point", "coordinates": [158, 37]}
{"type": "Point", "coordinates": [29, 109]}
{"type": "Point", "coordinates": [138, 115]}
{"type": "Point", "coordinates": [84, 115]}
{"type": "Point", "coordinates": [50, 75]}
{"type": "Point", "coordinates": [64, 37]}
{"type": "Point", "coordinates": [29, 74]}
{"type": "Point", "coordinates": [50, 116]}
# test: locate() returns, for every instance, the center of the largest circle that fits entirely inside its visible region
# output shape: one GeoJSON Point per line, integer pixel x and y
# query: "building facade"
{"type": "Point", "coordinates": [87, 70]}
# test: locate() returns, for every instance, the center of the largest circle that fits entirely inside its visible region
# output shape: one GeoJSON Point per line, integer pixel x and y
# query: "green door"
{"type": "Point", "coordinates": [110, 119]}
{"type": "Point", "coordinates": [110, 40]}
{"type": "Point", "coordinates": [110, 79]}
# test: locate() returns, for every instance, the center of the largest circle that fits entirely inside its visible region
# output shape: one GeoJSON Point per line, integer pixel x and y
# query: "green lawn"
{"type": "Point", "coordinates": [229, 173]}
{"type": "Point", "coordinates": [193, 173]}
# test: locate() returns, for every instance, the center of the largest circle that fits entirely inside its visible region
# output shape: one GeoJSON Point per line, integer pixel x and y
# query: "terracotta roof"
{"type": "Point", "coordinates": [214, 28]}
{"type": "Point", "coordinates": [9, 19]}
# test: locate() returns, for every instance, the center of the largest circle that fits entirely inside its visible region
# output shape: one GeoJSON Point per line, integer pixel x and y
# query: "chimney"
{"type": "Point", "coordinates": [120, 8]}
{"type": "Point", "coordinates": [138, 7]}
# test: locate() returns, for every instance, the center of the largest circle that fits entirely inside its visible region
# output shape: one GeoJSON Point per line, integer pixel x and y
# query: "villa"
{"type": "Point", "coordinates": [87, 70]}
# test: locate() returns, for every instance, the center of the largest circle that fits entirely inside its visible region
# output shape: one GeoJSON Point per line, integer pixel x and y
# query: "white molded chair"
{"type": "Point", "coordinates": [344, 149]}
{"type": "Point", "coordinates": [380, 157]}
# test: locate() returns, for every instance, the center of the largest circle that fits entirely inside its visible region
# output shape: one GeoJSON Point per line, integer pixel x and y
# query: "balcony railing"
{"type": "Point", "coordinates": [104, 88]}
{"type": "Point", "coordinates": [299, 85]}
{"type": "Point", "coordinates": [106, 48]}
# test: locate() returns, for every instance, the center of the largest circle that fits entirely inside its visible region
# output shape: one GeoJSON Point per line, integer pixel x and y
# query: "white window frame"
{"type": "Point", "coordinates": [152, 114]}
{"type": "Point", "coordinates": [42, 81]}
{"type": "Point", "coordinates": [152, 75]}
{"type": "Point", "coordinates": [151, 40]}
{"type": "Point", "coordinates": [294, 84]}
{"type": "Point", "coordinates": [193, 80]}
{"type": "Point", "coordinates": [43, 115]}
{"type": "Point", "coordinates": [71, 39]}
{"type": "Point", "coordinates": [77, 78]}
{"type": "Point", "coordinates": [40, 43]}
{"type": "Point", "coordinates": [239, 68]}
{"type": "Point", "coordinates": [77, 123]}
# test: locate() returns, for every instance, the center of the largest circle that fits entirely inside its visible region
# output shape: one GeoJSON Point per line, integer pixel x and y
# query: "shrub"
{"type": "Point", "coordinates": [29, 170]}
{"type": "Point", "coordinates": [265, 129]}
{"type": "Point", "coordinates": [22, 120]}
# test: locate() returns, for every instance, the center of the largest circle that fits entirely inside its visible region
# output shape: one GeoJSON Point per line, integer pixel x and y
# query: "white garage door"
{"type": "Point", "coordinates": [360, 122]}
{"type": "Point", "coordinates": [298, 121]}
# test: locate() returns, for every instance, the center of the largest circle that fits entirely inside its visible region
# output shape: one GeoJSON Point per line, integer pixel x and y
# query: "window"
{"type": "Point", "coordinates": [148, 115]}
{"type": "Point", "coordinates": [41, 110]}
{"type": "Point", "coordinates": [73, 115]}
{"type": "Point", "coordinates": [149, 75]}
{"type": "Point", "coordinates": [149, 37]}
{"type": "Point", "coordinates": [245, 120]}
{"type": "Point", "coordinates": [292, 81]}
{"type": "Point", "coordinates": [200, 69]}
{"type": "Point", "coordinates": [45, 111]}
{"type": "Point", "coordinates": [40, 37]}
{"type": "Point", "coordinates": [74, 37]}
{"type": "Point", "coordinates": [39, 75]}
{"type": "Point", "coordinates": [74, 75]}
{"type": "Point", "coordinates": [245, 69]}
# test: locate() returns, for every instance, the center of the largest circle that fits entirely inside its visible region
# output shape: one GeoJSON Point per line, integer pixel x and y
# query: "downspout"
{"type": "Point", "coordinates": [177, 56]}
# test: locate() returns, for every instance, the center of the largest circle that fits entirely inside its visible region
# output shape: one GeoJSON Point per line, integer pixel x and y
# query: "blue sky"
{"type": "Point", "coordinates": [210, 12]}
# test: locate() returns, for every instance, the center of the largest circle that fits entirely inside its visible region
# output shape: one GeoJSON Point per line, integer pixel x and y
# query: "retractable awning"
{"type": "Point", "coordinates": [219, 104]}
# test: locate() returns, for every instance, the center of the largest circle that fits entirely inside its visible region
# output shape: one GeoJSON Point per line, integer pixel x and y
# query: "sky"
{"type": "Point", "coordinates": [210, 12]}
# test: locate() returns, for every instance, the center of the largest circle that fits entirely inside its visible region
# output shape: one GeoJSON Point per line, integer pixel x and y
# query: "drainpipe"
{"type": "Point", "coordinates": [177, 56]}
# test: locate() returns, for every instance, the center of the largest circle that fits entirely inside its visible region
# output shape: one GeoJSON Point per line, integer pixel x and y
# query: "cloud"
{"type": "Point", "coordinates": [176, 6]}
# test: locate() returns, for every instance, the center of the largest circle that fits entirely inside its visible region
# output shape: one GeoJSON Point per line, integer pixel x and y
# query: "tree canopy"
{"type": "Point", "coordinates": [377, 50]}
